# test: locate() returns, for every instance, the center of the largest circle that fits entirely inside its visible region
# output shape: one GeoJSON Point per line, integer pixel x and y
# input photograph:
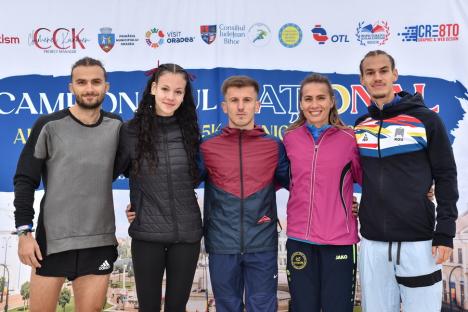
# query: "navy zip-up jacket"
{"type": "Point", "coordinates": [243, 170]}
{"type": "Point", "coordinates": [404, 150]}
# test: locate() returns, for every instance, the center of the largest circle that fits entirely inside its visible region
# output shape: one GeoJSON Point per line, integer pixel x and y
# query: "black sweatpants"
{"type": "Point", "coordinates": [321, 277]}
{"type": "Point", "coordinates": [149, 262]}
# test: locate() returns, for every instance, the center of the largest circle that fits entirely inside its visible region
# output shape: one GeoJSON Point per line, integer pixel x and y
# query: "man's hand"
{"type": "Point", "coordinates": [430, 193]}
{"type": "Point", "coordinates": [130, 214]}
{"type": "Point", "coordinates": [28, 251]}
{"type": "Point", "coordinates": [355, 207]}
{"type": "Point", "coordinates": [441, 253]}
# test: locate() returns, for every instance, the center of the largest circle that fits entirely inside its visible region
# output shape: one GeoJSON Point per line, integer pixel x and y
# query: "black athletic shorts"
{"type": "Point", "coordinates": [79, 262]}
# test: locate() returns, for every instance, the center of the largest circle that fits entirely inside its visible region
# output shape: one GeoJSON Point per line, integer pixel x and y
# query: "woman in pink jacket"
{"type": "Point", "coordinates": [321, 228]}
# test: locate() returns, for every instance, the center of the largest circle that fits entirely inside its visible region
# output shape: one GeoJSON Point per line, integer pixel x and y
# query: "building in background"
{"type": "Point", "coordinates": [455, 270]}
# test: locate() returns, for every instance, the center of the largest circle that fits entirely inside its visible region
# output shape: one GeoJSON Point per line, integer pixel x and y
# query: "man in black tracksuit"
{"type": "Point", "coordinates": [404, 149]}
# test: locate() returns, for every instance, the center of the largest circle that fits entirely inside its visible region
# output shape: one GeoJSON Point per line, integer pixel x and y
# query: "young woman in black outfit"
{"type": "Point", "coordinates": [157, 151]}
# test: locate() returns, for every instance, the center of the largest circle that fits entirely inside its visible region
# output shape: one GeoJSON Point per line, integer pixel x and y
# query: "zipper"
{"type": "Point", "coordinates": [242, 195]}
{"type": "Point", "coordinates": [169, 182]}
{"type": "Point", "coordinates": [381, 177]}
{"type": "Point", "coordinates": [379, 152]}
{"type": "Point", "coordinates": [312, 181]}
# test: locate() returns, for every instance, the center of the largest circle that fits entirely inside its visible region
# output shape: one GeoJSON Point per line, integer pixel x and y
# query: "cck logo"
{"type": "Point", "coordinates": [430, 33]}
{"type": "Point", "coordinates": [377, 33]}
{"type": "Point", "coordinates": [106, 39]}
{"type": "Point", "coordinates": [59, 39]}
{"type": "Point", "coordinates": [208, 33]}
{"type": "Point", "coordinates": [320, 35]}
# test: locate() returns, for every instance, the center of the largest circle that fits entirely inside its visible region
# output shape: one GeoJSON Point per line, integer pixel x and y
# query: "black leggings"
{"type": "Point", "coordinates": [149, 262]}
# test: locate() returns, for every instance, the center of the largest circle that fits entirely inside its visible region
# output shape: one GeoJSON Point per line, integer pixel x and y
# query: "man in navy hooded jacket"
{"type": "Point", "coordinates": [404, 149]}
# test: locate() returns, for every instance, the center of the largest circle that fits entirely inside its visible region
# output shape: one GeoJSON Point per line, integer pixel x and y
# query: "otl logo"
{"type": "Point", "coordinates": [319, 34]}
{"type": "Point", "coordinates": [59, 38]}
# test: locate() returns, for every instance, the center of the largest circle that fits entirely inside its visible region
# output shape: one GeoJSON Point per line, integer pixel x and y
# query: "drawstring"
{"type": "Point", "coordinates": [398, 253]}
{"type": "Point", "coordinates": [390, 252]}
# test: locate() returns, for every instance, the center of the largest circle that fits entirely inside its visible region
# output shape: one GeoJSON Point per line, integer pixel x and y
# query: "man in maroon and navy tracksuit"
{"type": "Point", "coordinates": [244, 166]}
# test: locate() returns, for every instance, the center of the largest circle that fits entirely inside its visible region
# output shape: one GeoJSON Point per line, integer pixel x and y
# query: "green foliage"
{"type": "Point", "coordinates": [64, 298]}
{"type": "Point", "coordinates": [25, 291]}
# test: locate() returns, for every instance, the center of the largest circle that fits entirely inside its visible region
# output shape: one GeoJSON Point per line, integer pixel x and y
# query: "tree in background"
{"type": "Point", "coordinates": [130, 272]}
{"type": "Point", "coordinates": [25, 295]}
{"type": "Point", "coordinates": [2, 283]}
{"type": "Point", "coordinates": [64, 298]}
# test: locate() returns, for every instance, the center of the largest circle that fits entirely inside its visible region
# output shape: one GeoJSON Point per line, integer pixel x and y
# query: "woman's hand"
{"type": "Point", "coordinates": [130, 214]}
{"type": "Point", "coordinates": [355, 207]}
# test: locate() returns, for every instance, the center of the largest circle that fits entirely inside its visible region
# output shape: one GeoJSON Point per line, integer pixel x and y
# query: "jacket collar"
{"type": "Point", "coordinates": [256, 131]}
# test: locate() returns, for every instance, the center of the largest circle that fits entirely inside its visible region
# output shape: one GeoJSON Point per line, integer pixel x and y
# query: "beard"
{"type": "Point", "coordinates": [379, 96]}
{"type": "Point", "coordinates": [90, 106]}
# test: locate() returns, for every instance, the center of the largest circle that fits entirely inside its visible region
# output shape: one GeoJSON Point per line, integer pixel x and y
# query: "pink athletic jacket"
{"type": "Point", "coordinates": [321, 189]}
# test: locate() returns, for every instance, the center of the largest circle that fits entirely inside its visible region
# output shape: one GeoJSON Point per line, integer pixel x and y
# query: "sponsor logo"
{"type": "Point", "coordinates": [298, 260]}
{"type": "Point", "coordinates": [106, 39]}
{"type": "Point", "coordinates": [399, 134]}
{"type": "Point", "coordinates": [377, 33]}
{"type": "Point", "coordinates": [155, 37]}
{"type": "Point", "coordinates": [9, 40]}
{"type": "Point", "coordinates": [320, 35]}
{"type": "Point", "coordinates": [275, 276]}
{"type": "Point", "coordinates": [232, 34]}
{"type": "Point", "coordinates": [178, 37]}
{"type": "Point", "coordinates": [264, 219]}
{"type": "Point", "coordinates": [290, 35]}
{"type": "Point", "coordinates": [58, 40]}
{"type": "Point", "coordinates": [127, 39]}
{"type": "Point", "coordinates": [104, 266]}
{"type": "Point", "coordinates": [430, 33]}
{"type": "Point", "coordinates": [341, 257]}
{"type": "Point", "coordinates": [259, 34]}
{"type": "Point", "coordinates": [208, 33]}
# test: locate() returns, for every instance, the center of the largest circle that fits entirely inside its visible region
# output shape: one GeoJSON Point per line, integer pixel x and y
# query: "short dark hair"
{"type": "Point", "coordinates": [88, 61]}
{"type": "Point", "coordinates": [375, 53]}
{"type": "Point", "coordinates": [239, 82]}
